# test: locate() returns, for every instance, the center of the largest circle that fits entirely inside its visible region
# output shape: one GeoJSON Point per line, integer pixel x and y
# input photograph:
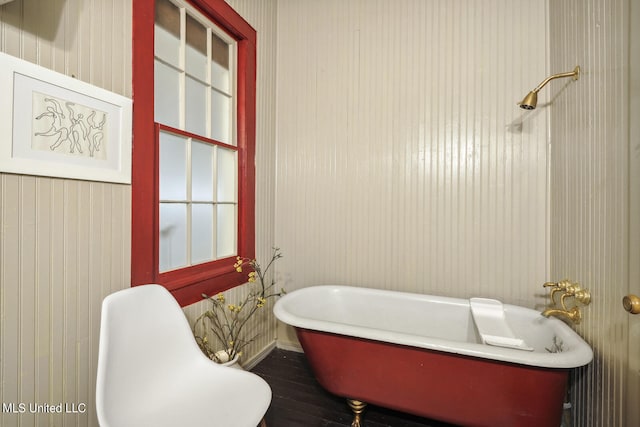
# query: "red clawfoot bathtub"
{"type": "Point", "coordinates": [423, 355]}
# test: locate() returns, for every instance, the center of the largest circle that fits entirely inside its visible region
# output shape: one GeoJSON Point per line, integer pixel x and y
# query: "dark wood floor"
{"type": "Point", "coordinates": [299, 401]}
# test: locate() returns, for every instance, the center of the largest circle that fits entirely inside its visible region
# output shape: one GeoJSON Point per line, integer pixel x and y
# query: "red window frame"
{"type": "Point", "coordinates": [188, 284]}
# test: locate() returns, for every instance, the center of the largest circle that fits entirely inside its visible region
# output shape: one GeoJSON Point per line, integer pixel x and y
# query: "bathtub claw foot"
{"type": "Point", "coordinates": [357, 407]}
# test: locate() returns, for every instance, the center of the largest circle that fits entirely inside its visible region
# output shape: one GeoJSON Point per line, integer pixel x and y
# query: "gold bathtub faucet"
{"type": "Point", "coordinates": [567, 289]}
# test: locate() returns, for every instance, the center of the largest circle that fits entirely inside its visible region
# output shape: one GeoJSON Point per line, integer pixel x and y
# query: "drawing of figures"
{"type": "Point", "coordinates": [77, 128]}
{"type": "Point", "coordinates": [56, 121]}
{"type": "Point", "coordinates": [95, 132]}
{"type": "Point", "coordinates": [55, 113]}
{"type": "Point", "coordinates": [57, 109]}
{"type": "Point", "coordinates": [62, 134]}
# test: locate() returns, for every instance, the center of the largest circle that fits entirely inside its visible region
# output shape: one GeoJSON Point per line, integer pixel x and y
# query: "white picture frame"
{"type": "Point", "coordinates": [55, 125]}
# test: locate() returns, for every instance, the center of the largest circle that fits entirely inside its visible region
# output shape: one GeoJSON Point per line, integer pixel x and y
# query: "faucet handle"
{"type": "Point", "coordinates": [568, 289]}
{"type": "Point", "coordinates": [558, 285]}
{"type": "Point", "coordinates": [561, 286]}
{"type": "Point", "coordinates": [583, 296]}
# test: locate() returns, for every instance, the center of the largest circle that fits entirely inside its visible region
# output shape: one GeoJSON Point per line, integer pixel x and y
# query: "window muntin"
{"type": "Point", "coordinates": [194, 68]}
{"type": "Point", "coordinates": [198, 167]}
{"type": "Point", "coordinates": [198, 197]}
{"type": "Point", "coordinates": [189, 283]}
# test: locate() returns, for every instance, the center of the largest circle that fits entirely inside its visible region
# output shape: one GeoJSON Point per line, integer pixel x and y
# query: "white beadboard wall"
{"type": "Point", "coordinates": [262, 15]}
{"type": "Point", "coordinates": [589, 191]}
{"type": "Point", "coordinates": [403, 160]}
{"type": "Point", "coordinates": [64, 244]}
{"type": "Point", "coordinates": [390, 154]}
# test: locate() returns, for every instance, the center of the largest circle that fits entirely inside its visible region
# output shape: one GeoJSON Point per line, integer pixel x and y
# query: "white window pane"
{"type": "Point", "coordinates": [226, 175]}
{"type": "Point", "coordinates": [220, 116]}
{"type": "Point", "coordinates": [196, 63]}
{"type": "Point", "coordinates": [173, 167]}
{"type": "Point", "coordinates": [173, 236]}
{"type": "Point", "coordinates": [201, 171]}
{"type": "Point", "coordinates": [167, 32]}
{"type": "Point", "coordinates": [167, 95]}
{"type": "Point", "coordinates": [196, 49]}
{"type": "Point", "coordinates": [219, 77]}
{"type": "Point", "coordinates": [226, 230]}
{"type": "Point", "coordinates": [201, 233]}
{"type": "Point", "coordinates": [220, 52]}
{"type": "Point", "coordinates": [196, 107]}
{"type": "Point", "coordinates": [167, 46]}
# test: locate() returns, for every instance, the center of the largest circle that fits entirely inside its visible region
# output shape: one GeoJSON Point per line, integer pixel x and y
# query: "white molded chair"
{"type": "Point", "coordinates": [152, 373]}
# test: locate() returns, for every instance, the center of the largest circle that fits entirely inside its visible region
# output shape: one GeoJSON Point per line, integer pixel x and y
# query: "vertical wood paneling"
{"type": "Point", "coordinates": [262, 16]}
{"type": "Point", "coordinates": [62, 250]}
{"type": "Point", "coordinates": [64, 244]}
{"type": "Point", "coordinates": [633, 381]}
{"type": "Point", "coordinates": [10, 295]}
{"type": "Point", "coordinates": [27, 286]}
{"type": "Point", "coordinates": [44, 224]}
{"type": "Point", "coordinates": [403, 161]}
{"type": "Point", "coordinates": [589, 191]}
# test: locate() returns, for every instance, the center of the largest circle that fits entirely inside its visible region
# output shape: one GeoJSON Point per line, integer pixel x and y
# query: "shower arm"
{"type": "Point", "coordinates": [575, 74]}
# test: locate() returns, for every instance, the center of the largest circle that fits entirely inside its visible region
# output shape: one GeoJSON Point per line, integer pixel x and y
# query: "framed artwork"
{"type": "Point", "coordinates": [54, 125]}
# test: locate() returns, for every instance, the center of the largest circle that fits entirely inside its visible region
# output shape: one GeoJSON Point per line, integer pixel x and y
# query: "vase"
{"type": "Point", "coordinates": [233, 363]}
{"type": "Point", "coordinates": [222, 358]}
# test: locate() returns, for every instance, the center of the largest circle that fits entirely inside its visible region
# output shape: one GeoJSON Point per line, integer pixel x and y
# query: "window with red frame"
{"type": "Point", "coordinates": [194, 143]}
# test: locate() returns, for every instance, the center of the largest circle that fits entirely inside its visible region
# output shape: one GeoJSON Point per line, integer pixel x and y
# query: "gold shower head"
{"type": "Point", "coordinates": [531, 100]}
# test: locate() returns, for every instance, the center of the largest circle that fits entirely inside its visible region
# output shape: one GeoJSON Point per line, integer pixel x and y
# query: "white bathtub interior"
{"type": "Point", "coordinates": [432, 322]}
